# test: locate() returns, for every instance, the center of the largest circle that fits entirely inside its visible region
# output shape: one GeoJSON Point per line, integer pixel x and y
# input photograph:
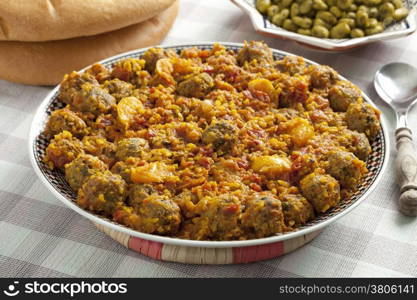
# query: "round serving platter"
{"type": "Point", "coordinates": [191, 251]}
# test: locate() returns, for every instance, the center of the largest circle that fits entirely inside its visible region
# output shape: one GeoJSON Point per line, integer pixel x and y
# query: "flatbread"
{"type": "Point", "coordinates": [47, 20]}
{"type": "Point", "coordinates": [45, 63]}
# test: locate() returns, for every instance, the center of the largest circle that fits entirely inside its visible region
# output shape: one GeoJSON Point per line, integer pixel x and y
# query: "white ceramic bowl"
{"type": "Point", "coordinates": [263, 26]}
{"type": "Point", "coordinates": [55, 180]}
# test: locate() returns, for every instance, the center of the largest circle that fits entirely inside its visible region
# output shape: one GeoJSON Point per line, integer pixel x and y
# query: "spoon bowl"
{"type": "Point", "coordinates": [396, 84]}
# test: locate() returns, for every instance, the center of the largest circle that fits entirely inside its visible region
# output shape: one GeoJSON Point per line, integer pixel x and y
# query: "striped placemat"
{"type": "Point", "coordinates": [207, 256]}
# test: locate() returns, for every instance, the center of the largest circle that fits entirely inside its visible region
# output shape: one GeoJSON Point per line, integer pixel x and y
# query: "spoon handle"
{"type": "Point", "coordinates": [406, 165]}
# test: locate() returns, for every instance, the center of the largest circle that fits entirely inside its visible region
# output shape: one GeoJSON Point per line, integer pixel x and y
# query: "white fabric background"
{"type": "Point", "coordinates": [41, 237]}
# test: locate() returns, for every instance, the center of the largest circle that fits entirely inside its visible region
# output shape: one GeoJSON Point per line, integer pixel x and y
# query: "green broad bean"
{"type": "Point", "coordinates": [357, 33]}
{"type": "Point", "coordinates": [349, 21]}
{"type": "Point", "coordinates": [320, 5]}
{"type": "Point", "coordinates": [373, 12]}
{"type": "Point", "coordinates": [320, 31]}
{"type": "Point", "coordinates": [263, 5]}
{"type": "Point", "coordinates": [386, 10]}
{"type": "Point", "coordinates": [320, 22]}
{"type": "Point", "coordinates": [289, 25]}
{"type": "Point", "coordinates": [388, 21]}
{"type": "Point", "coordinates": [353, 7]}
{"type": "Point", "coordinates": [400, 13]}
{"type": "Point", "coordinates": [302, 22]}
{"type": "Point", "coordinates": [372, 22]}
{"type": "Point", "coordinates": [374, 30]}
{"type": "Point", "coordinates": [306, 6]}
{"type": "Point", "coordinates": [295, 10]}
{"type": "Point", "coordinates": [398, 3]}
{"type": "Point", "coordinates": [362, 18]}
{"type": "Point", "coordinates": [272, 11]}
{"type": "Point", "coordinates": [344, 4]}
{"type": "Point", "coordinates": [286, 3]}
{"type": "Point", "coordinates": [336, 11]}
{"type": "Point", "coordinates": [340, 31]}
{"type": "Point", "coordinates": [279, 18]}
{"type": "Point", "coordinates": [351, 15]}
{"type": "Point", "coordinates": [304, 31]}
{"type": "Point", "coordinates": [363, 8]}
{"type": "Point", "coordinates": [327, 17]}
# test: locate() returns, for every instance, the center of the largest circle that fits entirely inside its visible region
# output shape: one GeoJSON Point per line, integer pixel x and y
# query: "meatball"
{"type": "Point", "coordinates": [322, 76]}
{"type": "Point", "coordinates": [364, 118]}
{"type": "Point", "coordinates": [290, 64]}
{"type": "Point", "coordinates": [71, 85]}
{"type": "Point", "coordinates": [138, 193]}
{"type": "Point", "coordinates": [63, 149]}
{"type": "Point", "coordinates": [102, 192]}
{"type": "Point", "coordinates": [360, 146]}
{"type": "Point", "coordinates": [93, 99]}
{"type": "Point", "coordinates": [255, 50]}
{"type": "Point", "coordinates": [118, 89]}
{"type": "Point", "coordinates": [357, 143]}
{"type": "Point", "coordinates": [159, 215]}
{"type": "Point", "coordinates": [297, 210]}
{"type": "Point", "coordinates": [65, 119]}
{"type": "Point", "coordinates": [130, 147]}
{"type": "Point", "coordinates": [219, 218]}
{"type": "Point", "coordinates": [263, 216]}
{"type": "Point", "coordinates": [85, 165]}
{"type": "Point", "coordinates": [321, 190]}
{"type": "Point", "coordinates": [345, 167]}
{"type": "Point", "coordinates": [197, 86]}
{"type": "Point", "coordinates": [343, 94]}
{"type": "Point", "coordinates": [222, 136]}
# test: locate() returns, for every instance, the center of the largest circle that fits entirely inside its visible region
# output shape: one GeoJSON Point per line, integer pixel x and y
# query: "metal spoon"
{"type": "Point", "coordinates": [396, 84]}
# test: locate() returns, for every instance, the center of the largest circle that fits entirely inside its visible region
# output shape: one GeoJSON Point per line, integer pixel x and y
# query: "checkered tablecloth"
{"type": "Point", "coordinates": [39, 236]}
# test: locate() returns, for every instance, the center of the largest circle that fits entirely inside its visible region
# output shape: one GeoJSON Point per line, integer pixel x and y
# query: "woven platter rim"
{"type": "Point", "coordinates": [57, 185]}
{"type": "Point", "coordinates": [262, 25]}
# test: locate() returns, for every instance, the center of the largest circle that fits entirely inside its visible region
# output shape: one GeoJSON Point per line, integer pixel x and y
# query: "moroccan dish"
{"type": "Point", "coordinates": [211, 144]}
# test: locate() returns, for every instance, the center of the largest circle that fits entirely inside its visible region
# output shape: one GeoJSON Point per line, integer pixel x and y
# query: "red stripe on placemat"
{"type": "Point", "coordinates": [145, 247]}
{"type": "Point", "coordinates": [256, 253]}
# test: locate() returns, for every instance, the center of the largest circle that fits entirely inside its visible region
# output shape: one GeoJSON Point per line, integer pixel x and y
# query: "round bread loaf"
{"type": "Point", "coordinates": [45, 63]}
{"type": "Point", "coordinates": [44, 20]}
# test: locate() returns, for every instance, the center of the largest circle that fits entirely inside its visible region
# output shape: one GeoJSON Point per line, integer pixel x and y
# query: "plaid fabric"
{"type": "Point", "coordinates": [41, 237]}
